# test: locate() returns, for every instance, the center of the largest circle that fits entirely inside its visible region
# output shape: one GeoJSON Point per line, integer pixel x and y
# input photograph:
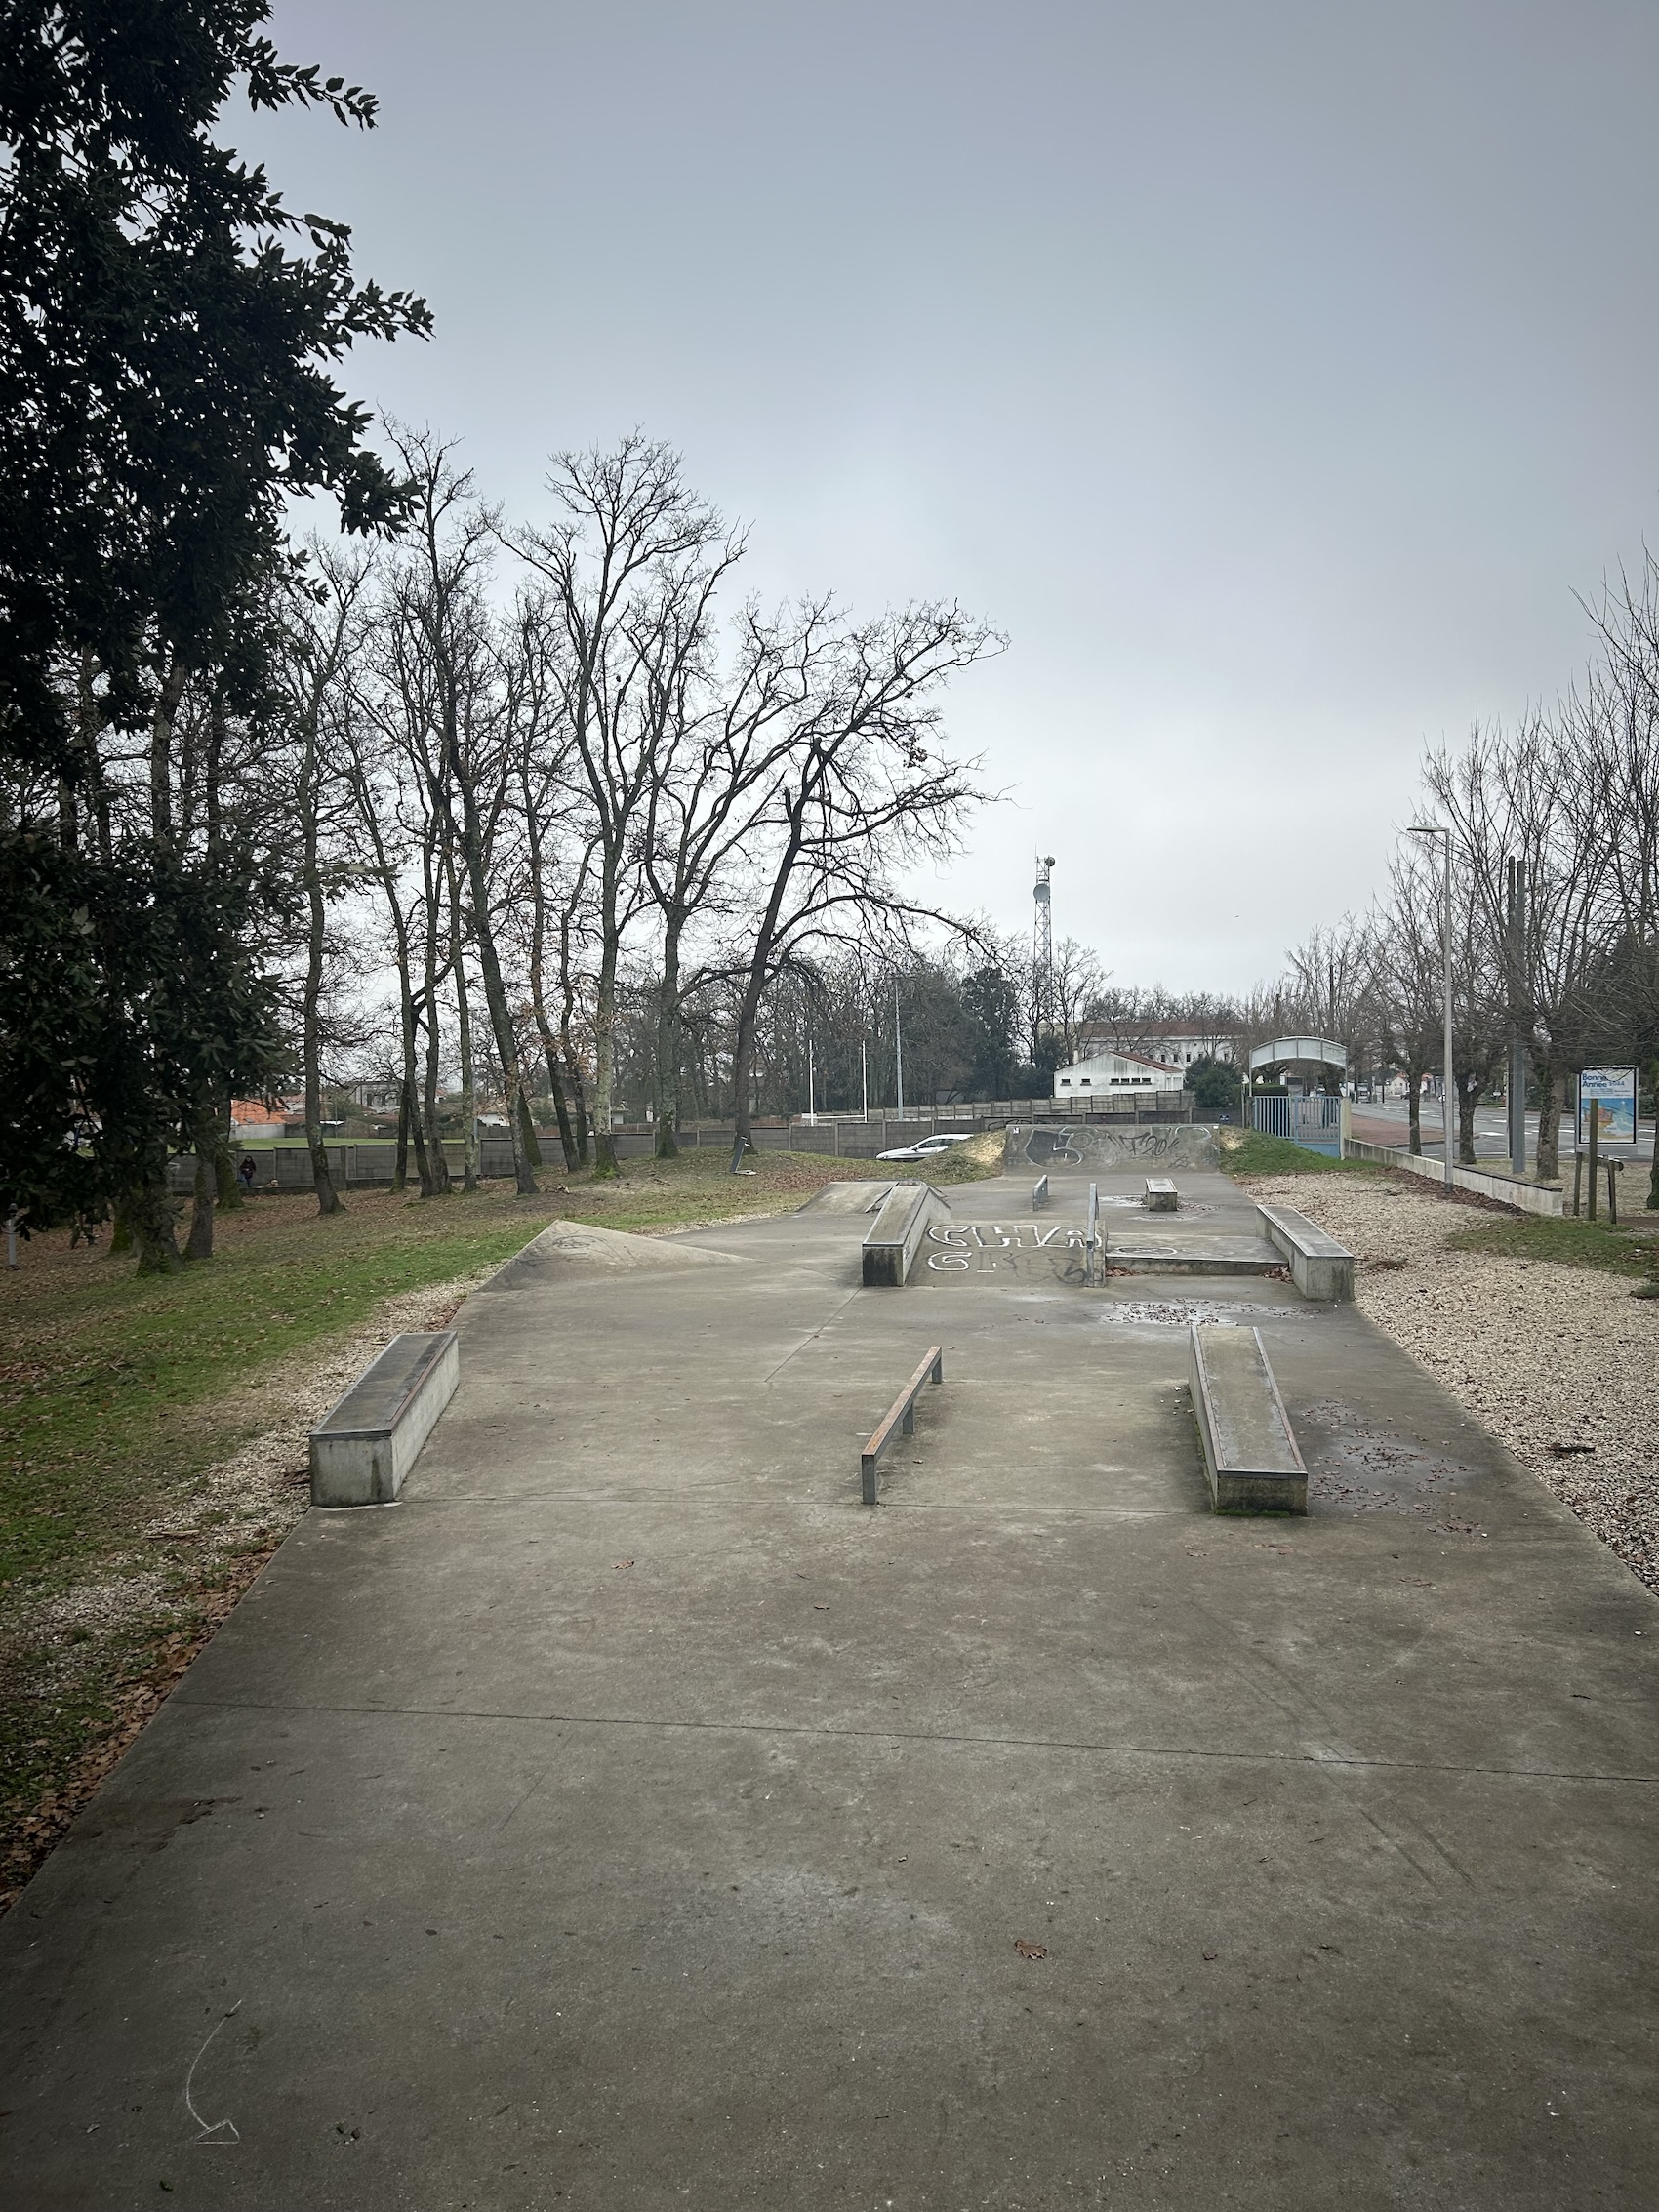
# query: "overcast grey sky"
{"type": "Point", "coordinates": [1271, 373]}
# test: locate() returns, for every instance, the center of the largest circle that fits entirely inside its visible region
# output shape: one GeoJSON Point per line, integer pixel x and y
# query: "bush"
{"type": "Point", "coordinates": [1214, 1084]}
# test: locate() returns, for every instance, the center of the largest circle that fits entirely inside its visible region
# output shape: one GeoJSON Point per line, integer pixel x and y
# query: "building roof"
{"type": "Point", "coordinates": [1136, 1063]}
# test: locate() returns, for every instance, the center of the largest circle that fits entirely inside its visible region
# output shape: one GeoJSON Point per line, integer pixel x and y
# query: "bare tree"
{"type": "Point", "coordinates": [863, 795]}
{"type": "Point", "coordinates": [469, 766]}
{"type": "Point", "coordinates": [631, 563]}
{"type": "Point", "coordinates": [320, 626]}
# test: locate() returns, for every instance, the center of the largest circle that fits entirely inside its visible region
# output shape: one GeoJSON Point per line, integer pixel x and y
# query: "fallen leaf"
{"type": "Point", "coordinates": [816, 1608]}
{"type": "Point", "coordinates": [621, 1563]}
{"type": "Point", "coordinates": [1029, 1950]}
{"type": "Point", "coordinates": [1210, 1954]}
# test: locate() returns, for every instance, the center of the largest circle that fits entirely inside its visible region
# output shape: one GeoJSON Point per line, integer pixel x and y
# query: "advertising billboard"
{"type": "Point", "coordinates": [1609, 1094]}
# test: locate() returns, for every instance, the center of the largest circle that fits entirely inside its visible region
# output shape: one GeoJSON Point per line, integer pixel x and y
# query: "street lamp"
{"type": "Point", "coordinates": [1447, 1081]}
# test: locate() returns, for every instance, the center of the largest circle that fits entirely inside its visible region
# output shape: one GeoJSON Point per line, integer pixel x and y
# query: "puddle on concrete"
{"type": "Point", "coordinates": [1351, 1465]}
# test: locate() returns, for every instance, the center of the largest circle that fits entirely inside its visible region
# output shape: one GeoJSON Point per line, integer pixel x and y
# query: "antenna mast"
{"type": "Point", "coordinates": [1043, 953]}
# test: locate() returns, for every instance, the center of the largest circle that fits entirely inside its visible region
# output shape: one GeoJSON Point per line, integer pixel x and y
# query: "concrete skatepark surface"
{"type": "Point", "coordinates": [629, 1817]}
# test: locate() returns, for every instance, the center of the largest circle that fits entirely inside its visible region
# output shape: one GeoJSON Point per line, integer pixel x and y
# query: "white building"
{"type": "Point", "coordinates": [1114, 1072]}
{"type": "Point", "coordinates": [1174, 1044]}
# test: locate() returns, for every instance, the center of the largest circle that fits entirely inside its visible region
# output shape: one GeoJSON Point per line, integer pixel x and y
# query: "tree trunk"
{"type": "Point", "coordinates": [742, 1063]}
{"type": "Point", "coordinates": [578, 1097]}
{"type": "Point", "coordinates": [150, 1211]}
{"type": "Point", "coordinates": [1414, 1112]}
{"type": "Point", "coordinates": [1653, 1171]}
{"type": "Point", "coordinates": [464, 1022]}
{"type": "Point", "coordinates": [544, 1029]}
{"type": "Point", "coordinates": [604, 1063]}
{"type": "Point", "coordinates": [561, 1108]}
{"type": "Point", "coordinates": [200, 1245]}
{"type": "Point", "coordinates": [1549, 1086]}
{"type": "Point", "coordinates": [1468, 1088]}
{"type": "Point", "coordinates": [409, 1119]}
{"type": "Point", "coordinates": [434, 1183]}
{"type": "Point", "coordinates": [573, 1066]}
{"type": "Point", "coordinates": [227, 1190]}
{"type": "Point", "coordinates": [555, 1081]}
{"type": "Point", "coordinates": [526, 1152]}
{"type": "Point", "coordinates": [524, 1146]}
{"type": "Point", "coordinates": [166, 699]}
{"type": "Point", "coordinates": [322, 1179]}
{"type": "Point", "coordinates": [400, 1158]}
{"type": "Point", "coordinates": [669, 1044]}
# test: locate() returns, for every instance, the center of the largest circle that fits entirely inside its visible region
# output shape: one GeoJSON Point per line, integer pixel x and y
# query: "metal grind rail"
{"type": "Point", "coordinates": [1039, 1194]}
{"type": "Point", "coordinates": [1094, 1255]}
{"type": "Point", "coordinates": [901, 1419]}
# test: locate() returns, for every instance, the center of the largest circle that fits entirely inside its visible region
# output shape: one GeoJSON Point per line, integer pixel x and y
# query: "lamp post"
{"type": "Point", "coordinates": [1447, 1080]}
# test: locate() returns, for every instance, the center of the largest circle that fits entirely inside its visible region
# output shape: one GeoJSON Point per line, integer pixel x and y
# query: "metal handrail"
{"type": "Point", "coordinates": [1039, 1194]}
{"type": "Point", "coordinates": [899, 1419]}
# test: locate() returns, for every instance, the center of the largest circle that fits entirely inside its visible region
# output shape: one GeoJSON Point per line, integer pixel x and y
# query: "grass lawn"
{"type": "Point", "coordinates": [119, 1396]}
{"type": "Point", "coordinates": [1247, 1152]}
{"type": "Point", "coordinates": [1569, 1243]}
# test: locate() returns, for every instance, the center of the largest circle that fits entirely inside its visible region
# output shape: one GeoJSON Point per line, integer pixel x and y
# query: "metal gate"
{"type": "Point", "coordinates": [1314, 1122]}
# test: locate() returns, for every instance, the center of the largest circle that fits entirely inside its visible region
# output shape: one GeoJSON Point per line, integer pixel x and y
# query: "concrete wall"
{"type": "Point", "coordinates": [895, 1236]}
{"type": "Point", "coordinates": [1489, 1182]}
{"type": "Point", "coordinates": [1152, 1149]}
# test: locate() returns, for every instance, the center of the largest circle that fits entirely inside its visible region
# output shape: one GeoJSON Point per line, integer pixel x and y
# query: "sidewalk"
{"type": "Point", "coordinates": [630, 1818]}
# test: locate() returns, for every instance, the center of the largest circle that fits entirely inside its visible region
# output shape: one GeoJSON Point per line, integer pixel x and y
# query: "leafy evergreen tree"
{"type": "Point", "coordinates": [167, 331]}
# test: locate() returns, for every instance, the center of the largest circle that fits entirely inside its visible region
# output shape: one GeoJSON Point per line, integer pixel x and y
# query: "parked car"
{"type": "Point", "coordinates": [927, 1148]}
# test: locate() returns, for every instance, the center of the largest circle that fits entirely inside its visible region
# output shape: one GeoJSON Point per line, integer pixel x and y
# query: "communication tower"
{"type": "Point", "coordinates": [1042, 949]}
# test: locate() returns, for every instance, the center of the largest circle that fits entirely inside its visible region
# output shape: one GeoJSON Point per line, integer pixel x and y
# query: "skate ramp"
{"type": "Point", "coordinates": [1058, 1148]}
{"type": "Point", "coordinates": [847, 1198]}
{"type": "Point", "coordinates": [566, 1250]}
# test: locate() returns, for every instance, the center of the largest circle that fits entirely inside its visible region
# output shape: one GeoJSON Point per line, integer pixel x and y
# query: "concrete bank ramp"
{"type": "Point", "coordinates": [847, 1198]}
{"type": "Point", "coordinates": [1060, 1146]}
{"type": "Point", "coordinates": [567, 1249]}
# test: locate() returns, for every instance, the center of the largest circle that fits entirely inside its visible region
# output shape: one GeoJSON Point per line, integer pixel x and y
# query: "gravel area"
{"type": "Point", "coordinates": [1561, 1364]}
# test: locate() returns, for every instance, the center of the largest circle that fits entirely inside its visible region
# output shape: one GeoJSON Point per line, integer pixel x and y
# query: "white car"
{"type": "Point", "coordinates": [928, 1148]}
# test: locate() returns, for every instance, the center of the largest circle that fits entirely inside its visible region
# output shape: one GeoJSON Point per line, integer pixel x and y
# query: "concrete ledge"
{"type": "Point", "coordinates": [1251, 1462]}
{"type": "Point", "coordinates": [1161, 1195]}
{"type": "Point", "coordinates": [895, 1234]}
{"type": "Point", "coordinates": [1320, 1267]}
{"type": "Point", "coordinates": [1489, 1182]}
{"type": "Point", "coordinates": [365, 1446]}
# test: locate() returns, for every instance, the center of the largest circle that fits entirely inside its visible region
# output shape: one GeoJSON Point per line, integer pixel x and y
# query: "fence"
{"type": "Point", "coordinates": [285, 1164]}
{"type": "Point", "coordinates": [1319, 1123]}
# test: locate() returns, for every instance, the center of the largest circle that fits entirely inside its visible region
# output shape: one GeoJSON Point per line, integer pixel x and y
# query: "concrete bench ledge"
{"type": "Point", "coordinates": [365, 1446]}
{"type": "Point", "coordinates": [1161, 1195]}
{"type": "Point", "coordinates": [897, 1234]}
{"type": "Point", "coordinates": [1320, 1267]}
{"type": "Point", "coordinates": [1251, 1461]}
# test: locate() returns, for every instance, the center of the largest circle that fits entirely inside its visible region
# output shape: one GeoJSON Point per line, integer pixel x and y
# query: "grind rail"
{"type": "Point", "coordinates": [899, 1420]}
